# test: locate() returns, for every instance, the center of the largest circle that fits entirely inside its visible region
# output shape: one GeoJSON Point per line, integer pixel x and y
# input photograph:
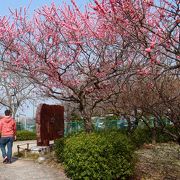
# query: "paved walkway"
{"type": "Point", "coordinates": [27, 169]}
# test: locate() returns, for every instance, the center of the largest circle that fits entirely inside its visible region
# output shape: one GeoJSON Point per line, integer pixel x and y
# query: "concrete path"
{"type": "Point", "coordinates": [28, 169]}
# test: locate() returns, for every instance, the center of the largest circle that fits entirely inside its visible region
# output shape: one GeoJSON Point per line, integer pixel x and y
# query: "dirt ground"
{"type": "Point", "coordinates": [158, 162]}
{"type": "Point", "coordinates": [29, 168]}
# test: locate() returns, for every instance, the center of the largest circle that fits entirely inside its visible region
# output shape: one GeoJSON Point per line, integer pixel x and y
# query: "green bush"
{"type": "Point", "coordinates": [144, 135]}
{"type": "Point", "coordinates": [96, 155]}
{"type": "Point", "coordinates": [141, 136]}
{"type": "Point", "coordinates": [163, 137]}
{"type": "Point", "coordinates": [25, 135]}
{"type": "Point", "coordinates": [59, 148]}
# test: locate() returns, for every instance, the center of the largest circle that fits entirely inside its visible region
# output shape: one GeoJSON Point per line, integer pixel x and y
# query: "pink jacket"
{"type": "Point", "coordinates": [7, 127]}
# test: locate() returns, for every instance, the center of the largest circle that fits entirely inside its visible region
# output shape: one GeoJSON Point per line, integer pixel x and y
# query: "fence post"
{"type": "Point", "coordinates": [27, 146]}
{"type": "Point", "coordinates": [25, 153]}
{"type": "Point", "coordinates": [18, 149]}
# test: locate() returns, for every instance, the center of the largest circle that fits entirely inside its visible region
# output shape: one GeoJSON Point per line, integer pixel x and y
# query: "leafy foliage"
{"type": "Point", "coordinates": [25, 135]}
{"type": "Point", "coordinates": [76, 117]}
{"type": "Point", "coordinates": [144, 135]}
{"type": "Point", "coordinates": [96, 155]}
{"type": "Point", "coordinates": [141, 136]}
{"type": "Point", "coordinates": [59, 147]}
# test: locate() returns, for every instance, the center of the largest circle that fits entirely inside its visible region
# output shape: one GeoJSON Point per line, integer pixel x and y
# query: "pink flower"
{"type": "Point", "coordinates": [152, 61]}
{"type": "Point", "coordinates": [152, 45]}
{"type": "Point", "coordinates": [178, 57]}
{"type": "Point", "coordinates": [4, 75]}
{"type": "Point", "coordinates": [150, 2]}
{"type": "Point", "coordinates": [148, 50]}
{"type": "Point", "coordinates": [13, 85]}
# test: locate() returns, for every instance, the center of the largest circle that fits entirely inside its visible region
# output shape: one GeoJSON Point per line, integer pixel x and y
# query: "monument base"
{"type": "Point", "coordinates": [41, 149]}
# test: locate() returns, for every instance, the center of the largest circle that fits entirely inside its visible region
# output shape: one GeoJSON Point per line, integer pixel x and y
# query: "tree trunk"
{"type": "Point", "coordinates": [88, 125]}
{"type": "Point", "coordinates": [86, 115]}
{"type": "Point", "coordinates": [129, 124]}
{"type": "Point", "coordinates": [154, 135]}
{"type": "Point", "coordinates": [178, 140]}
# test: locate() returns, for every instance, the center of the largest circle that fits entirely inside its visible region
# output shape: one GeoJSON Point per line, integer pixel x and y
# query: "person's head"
{"type": "Point", "coordinates": [7, 112]}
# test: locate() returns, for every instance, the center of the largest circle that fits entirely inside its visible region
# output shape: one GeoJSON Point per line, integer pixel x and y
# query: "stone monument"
{"type": "Point", "coordinates": [49, 123]}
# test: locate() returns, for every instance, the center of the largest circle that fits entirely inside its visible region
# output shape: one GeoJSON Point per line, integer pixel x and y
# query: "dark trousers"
{"type": "Point", "coordinates": [6, 141]}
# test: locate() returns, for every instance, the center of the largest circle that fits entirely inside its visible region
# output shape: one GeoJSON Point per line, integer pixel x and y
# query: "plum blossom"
{"type": "Point", "coordinates": [148, 50]}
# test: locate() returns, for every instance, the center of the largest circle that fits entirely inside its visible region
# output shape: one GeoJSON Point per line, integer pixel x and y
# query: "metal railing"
{"type": "Point", "coordinates": [25, 149]}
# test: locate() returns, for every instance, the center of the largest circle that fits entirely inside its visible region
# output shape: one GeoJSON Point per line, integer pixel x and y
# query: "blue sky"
{"type": "Point", "coordinates": [13, 4]}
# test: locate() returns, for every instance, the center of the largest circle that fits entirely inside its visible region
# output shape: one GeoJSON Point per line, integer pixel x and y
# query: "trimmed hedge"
{"type": "Point", "coordinates": [25, 135]}
{"type": "Point", "coordinates": [96, 155]}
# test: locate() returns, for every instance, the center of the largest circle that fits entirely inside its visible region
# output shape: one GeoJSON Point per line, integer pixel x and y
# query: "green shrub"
{"type": "Point", "coordinates": [25, 135]}
{"type": "Point", "coordinates": [59, 147]}
{"type": "Point", "coordinates": [163, 137]}
{"type": "Point", "coordinates": [96, 155]}
{"type": "Point", "coordinates": [141, 136]}
{"type": "Point", "coordinates": [144, 135]}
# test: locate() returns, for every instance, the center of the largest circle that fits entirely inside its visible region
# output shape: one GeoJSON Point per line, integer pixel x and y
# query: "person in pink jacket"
{"type": "Point", "coordinates": [8, 135]}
